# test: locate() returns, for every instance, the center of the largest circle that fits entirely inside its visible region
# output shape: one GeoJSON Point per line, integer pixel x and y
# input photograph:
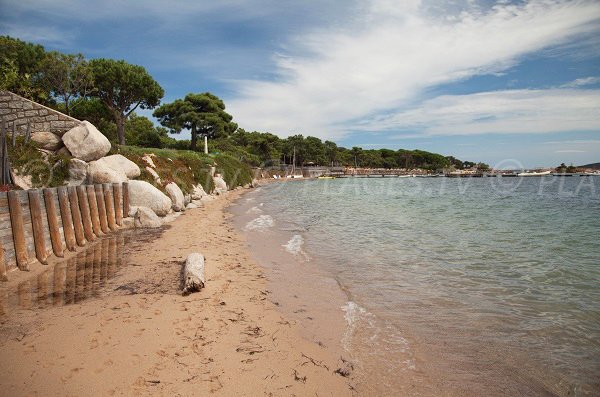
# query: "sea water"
{"type": "Point", "coordinates": [478, 286]}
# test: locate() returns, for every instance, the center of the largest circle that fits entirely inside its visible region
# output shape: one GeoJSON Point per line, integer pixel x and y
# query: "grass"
{"type": "Point", "coordinates": [234, 172]}
{"type": "Point", "coordinates": [184, 167]}
{"type": "Point", "coordinates": [46, 170]}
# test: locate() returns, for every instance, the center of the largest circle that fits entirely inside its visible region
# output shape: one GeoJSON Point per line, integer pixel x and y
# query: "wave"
{"type": "Point", "coordinates": [353, 314]}
{"type": "Point", "coordinates": [294, 246]}
{"type": "Point", "coordinates": [260, 224]}
{"type": "Point", "coordinates": [254, 210]}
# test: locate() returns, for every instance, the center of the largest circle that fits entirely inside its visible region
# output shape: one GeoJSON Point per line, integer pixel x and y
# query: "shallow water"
{"type": "Point", "coordinates": [453, 286]}
{"type": "Point", "coordinates": [86, 275]}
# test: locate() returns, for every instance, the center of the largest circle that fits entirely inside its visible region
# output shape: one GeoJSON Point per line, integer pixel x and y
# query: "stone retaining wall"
{"type": "Point", "coordinates": [18, 111]}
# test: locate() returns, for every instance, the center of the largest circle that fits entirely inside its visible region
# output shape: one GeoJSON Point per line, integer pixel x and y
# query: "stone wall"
{"type": "Point", "coordinates": [16, 110]}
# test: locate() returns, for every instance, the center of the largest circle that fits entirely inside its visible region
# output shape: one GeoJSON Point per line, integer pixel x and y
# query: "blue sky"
{"type": "Point", "coordinates": [496, 81]}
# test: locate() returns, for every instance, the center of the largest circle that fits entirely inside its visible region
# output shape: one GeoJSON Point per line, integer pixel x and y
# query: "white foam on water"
{"type": "Point", "coordinates": [254, 210]}
{"type": "Point", "coordinates": [260, 224]}
{"type": "Point", "coordinates": [353, 314]}
{"type": "Point", "coordinates": [294, 246]}
{"type": "Point", "coordinates": [249, 199]}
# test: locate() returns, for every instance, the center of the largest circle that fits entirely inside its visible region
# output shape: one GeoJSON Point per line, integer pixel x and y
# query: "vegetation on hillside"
{"type": "Point", "coordinates": [107, 93]}
{"type": "Point", "coordinates": [45, 168]}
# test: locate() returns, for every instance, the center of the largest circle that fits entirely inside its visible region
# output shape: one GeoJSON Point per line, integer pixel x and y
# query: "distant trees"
{"type": "Point", "coordinates": [67, 77]}
{"type": "Point", "coordinates": [20, 69]}
{"type": "Point", "coordinates": [123, 88]}
{"type": "Point", "coordinates": [203, 114]}
{"type": "Point", "coordinates": [107, 93]}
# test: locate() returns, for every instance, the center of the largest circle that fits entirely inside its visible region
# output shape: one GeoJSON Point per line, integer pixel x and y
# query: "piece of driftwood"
{"type": "Point", "coordinates": [193, 273]}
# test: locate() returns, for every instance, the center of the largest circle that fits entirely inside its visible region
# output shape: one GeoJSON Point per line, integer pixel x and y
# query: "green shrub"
{"type": "Point", "coordinates": [46, 170]}
{"type": "Point", "coordinates": [234, 172]}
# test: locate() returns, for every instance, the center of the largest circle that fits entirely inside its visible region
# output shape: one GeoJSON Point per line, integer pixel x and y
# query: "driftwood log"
{"type": "Point", "coordinates": [193, 273]}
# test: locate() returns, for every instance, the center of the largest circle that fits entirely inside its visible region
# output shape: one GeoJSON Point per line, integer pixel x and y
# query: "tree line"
{"type": "Point", "coordinates": [108, 92]}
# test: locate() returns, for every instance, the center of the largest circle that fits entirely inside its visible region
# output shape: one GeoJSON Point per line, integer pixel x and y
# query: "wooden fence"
{"type": "Point", "coordinates": [35, 224]}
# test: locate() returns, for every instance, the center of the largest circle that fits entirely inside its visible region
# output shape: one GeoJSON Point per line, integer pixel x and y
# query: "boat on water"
{"type": "Point", "coordinates": [540, 173]}
{"type": "Point", "coordinates": [326, 177]}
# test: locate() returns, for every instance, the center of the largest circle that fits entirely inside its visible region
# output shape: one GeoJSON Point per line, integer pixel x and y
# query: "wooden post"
{"type": "Point", "coordinates": [70, 280]}
{"type": "Point", "coordinates": [18, 230]}
{"type": "Point", "coordinates": [65, 215]}
{"type": "Point", "coordinates": [77, 225]}
{"type": "Point", "coordinates": [53, 225]}
{"type": "Point", "coordinates": [112, 256]}
{"type": "Point", "coordinates": [3, 276]}
{"type": "Point", "coordinates": [35, 208]}
{"type": "Point", "coordinates": [60, 276]}
{"type": "Point", "coordinates": [91, 195]}
{"type": "Point", "coordinates": [85, 213]}
{"type": "Point", "coordinates": [110, 208]}
{"type": "Point", "coordinates": [101, 208]}
{"type": "Point", "coordinates": [118, 203]}
{"type": "Point", "coordinates": [125, 200]}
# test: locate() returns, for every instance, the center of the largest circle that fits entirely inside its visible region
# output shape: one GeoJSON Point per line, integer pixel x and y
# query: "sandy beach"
{"type": "Point", "coordinates": [139, 336]}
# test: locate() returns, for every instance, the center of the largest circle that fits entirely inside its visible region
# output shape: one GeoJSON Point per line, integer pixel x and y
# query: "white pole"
{"type": "Point", "coordinates": [205, 144]}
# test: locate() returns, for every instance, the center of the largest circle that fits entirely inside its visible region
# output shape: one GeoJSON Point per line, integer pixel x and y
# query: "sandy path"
{"type": "Point", "coordinates": [144, 338]}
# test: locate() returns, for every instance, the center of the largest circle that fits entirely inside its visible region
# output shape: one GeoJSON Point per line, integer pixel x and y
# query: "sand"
{"type": "Point", "coordinates": [141, 337]}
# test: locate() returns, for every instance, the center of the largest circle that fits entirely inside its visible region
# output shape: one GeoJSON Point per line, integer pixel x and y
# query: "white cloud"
{"type": "Point", "coordinates": [512, 111]}
{"type": "Point", "coordinates": [570, 151]}
{"type": "Point", "coordinates": [582, 82]}
{"type": "Point", "coordinates": [391, 53]}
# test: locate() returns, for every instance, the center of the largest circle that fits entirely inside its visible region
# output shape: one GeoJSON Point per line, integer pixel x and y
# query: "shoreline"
{"type": "Point", "coordinates": [141, 336]}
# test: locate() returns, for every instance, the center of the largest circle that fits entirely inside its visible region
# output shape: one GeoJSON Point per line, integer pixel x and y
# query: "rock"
{"type": "Point", "coordinates": [220, 183]}
{"type": "Point", "coordinates": [121, 163]}
{"type": "Point", "coordinates": [146, 218]}
{"type": "Point", "coordinates": [187, 198]}
{"type": "Point", "coordinates": [128, 223]}
{"type": "Point", "coordinates": [22, 181]}
{"type": "Point", "coordinates": [85, 142]}
{"type": "Point", "coordinates": [255, 183]}
{"type": "Point", "coordinates": [198, 192]}
{"type": "Point", "coordinates": [78, 172]}
{"type": "Point", "coordinates": [143, 194]}
{"type": "Point", "coordinates": [132, 210]}
{"type": "Point", "coordinates": [171, 217]}
{"type": "Point", "coordinates": [47, 140]}
{"type": "Point", "coordinates": [100, 172]}
{"type": "Point", "coordinates": [176, 196]}
{"type": "Point", "coordinates": [148, 160]}
{"type": "Point", "coordinates": [193, 273]}
{"type": "Point", "coordinates": [191, 206]}
{"type": "Point", "coordinates": [154, 174]}
{"type": "Point", "coordinates": [63, 151]}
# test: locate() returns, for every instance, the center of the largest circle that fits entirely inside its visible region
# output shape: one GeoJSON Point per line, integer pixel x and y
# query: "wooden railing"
{"type": "Point", "coordinates": [35, 224]}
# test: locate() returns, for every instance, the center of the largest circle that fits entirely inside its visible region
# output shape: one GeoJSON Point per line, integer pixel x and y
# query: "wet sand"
{"type": "Point", "coordinates": [132, 333]}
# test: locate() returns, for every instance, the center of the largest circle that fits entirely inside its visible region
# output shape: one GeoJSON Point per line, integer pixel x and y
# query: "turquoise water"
{"type": "Point", "coordinates": [471, 286]}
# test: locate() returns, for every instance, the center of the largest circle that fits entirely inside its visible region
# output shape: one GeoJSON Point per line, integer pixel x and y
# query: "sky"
{"type": "Point", "coordinates": [511, 83]}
